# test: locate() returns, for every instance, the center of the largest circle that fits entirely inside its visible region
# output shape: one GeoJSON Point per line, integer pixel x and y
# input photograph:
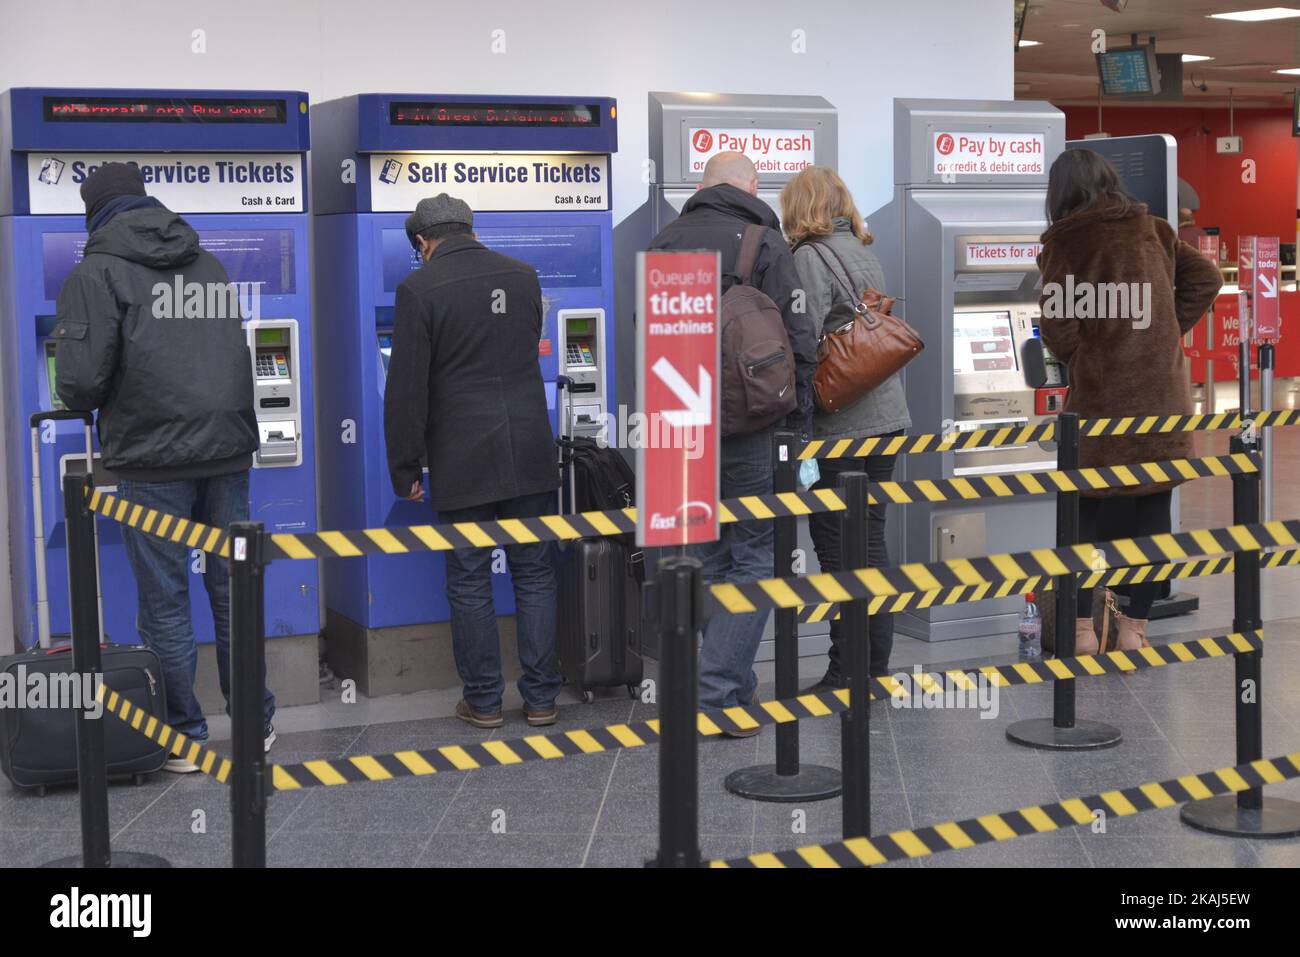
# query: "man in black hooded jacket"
{"type": "Point", "coordinates": [174, 391]}
{"type": "Point", "coordinates": [715, 218]}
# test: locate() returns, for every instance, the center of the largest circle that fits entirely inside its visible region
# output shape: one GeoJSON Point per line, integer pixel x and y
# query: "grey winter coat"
{"type": "Point", "coordinates": [883, 409]}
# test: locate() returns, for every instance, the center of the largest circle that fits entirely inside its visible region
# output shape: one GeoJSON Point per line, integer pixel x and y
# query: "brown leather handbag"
{"type": "Point", "coordinates": [861, 346]}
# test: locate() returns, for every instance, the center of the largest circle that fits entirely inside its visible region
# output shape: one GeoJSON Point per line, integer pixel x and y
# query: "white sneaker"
{"type": "Point", "coordinates": [269, 739]}
{"type": "Point", "coordinates": [180, 766]}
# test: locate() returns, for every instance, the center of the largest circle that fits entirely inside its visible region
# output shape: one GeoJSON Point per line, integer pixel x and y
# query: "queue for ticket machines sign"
{"type": "Point", "coordinates": [234, 165]}
{"type": "Point", "coordinates": [679, 376]}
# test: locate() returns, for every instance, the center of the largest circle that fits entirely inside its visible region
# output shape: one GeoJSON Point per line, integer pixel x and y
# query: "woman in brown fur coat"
{"type": "Point", "coordinates": [1119, 292]}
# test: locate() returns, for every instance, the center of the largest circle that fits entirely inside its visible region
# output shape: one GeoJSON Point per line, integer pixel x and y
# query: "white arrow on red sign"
{"type": "Point", "coordinates": [1268, 286]}
{"type": "Point", "coordinates": [698, 401]}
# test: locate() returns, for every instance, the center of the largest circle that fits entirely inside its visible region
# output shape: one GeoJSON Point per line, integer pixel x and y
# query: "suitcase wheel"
{"type": "Point", "coordinates": [588, 697]}
{"type": "Point", "coordinates": [139, 779]}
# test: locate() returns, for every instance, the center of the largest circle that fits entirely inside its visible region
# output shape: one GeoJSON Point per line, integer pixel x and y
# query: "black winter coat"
{"type": "Point", "coordinates": [174, 394]}
{"type": "Point", "coordinates": [715, 218]}
{"type": "Point", "coordinates": [464, 385]}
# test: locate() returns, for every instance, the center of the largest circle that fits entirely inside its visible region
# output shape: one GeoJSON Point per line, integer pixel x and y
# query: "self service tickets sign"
{"type": "Point", "coordinates": [183, 182]}
{"type": "Point", "coordinates": [679, 373]}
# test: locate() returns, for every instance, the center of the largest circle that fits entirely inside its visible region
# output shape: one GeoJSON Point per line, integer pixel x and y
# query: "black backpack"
{"type": "Point", "coordinates": [602, 478]}
{"type": "Point", "coordinates": [758, 376]}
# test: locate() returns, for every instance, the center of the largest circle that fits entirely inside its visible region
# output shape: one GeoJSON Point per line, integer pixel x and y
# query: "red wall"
{"type": "Point", "coordinates": [1266, 207]}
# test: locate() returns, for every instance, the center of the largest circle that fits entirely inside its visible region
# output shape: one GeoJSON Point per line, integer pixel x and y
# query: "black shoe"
{"type": "Point", "coordinates": [829, 682]}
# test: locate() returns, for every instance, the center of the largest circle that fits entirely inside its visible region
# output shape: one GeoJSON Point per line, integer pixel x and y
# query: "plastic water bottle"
{"type": "Point", "coordinates": [1031, 630]}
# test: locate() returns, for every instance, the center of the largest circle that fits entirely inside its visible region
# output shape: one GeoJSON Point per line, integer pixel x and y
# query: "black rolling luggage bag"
{"type": "Point", "coordinates": [599, 620]}
{"type": "Point", "coordinates": [599, 623]}
{"type": "Point", "coordinates": [38, 746]}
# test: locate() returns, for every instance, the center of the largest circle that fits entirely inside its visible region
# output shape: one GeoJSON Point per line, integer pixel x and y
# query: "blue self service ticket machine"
{"type": "Point", "coordinates": [536, 172]}
{"type": "Point", "coordinates": [233, 163]}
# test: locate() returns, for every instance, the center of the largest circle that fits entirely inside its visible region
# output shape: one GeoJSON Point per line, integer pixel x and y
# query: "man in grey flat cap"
{"type": "Point", "coordinates": [465, 390]}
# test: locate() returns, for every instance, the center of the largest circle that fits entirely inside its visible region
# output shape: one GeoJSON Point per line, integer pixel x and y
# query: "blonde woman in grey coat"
{"type": "Point", "coordinates": [835, 266]}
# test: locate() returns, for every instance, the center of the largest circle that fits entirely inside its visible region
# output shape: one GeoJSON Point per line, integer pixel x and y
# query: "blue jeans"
{"type": "Point", "coordinates": [162, 580]}
{"type": "Point", "coordinates": [743, 553]}
{"type": "Point", "coordinates": [474, 639]}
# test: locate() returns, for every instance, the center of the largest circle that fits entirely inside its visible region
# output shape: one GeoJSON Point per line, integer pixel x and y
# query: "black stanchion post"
{"type": "Point", "coordinates": [785, 781]}
{"type": "Point", "coordinates": [92, 764]}
{"type": "Point", "coordinates": [92, 767]}
{"type": "Point", "coordinates": [1249, 813]}
{"type": "Point", "coordinates": [855, 734]}
{"type": "Point", "coordinates": [247, 689]}
{"type": "Point", "coordinates": [1063, 731]}
{"type": "Point", "coordinates": [680, 601]}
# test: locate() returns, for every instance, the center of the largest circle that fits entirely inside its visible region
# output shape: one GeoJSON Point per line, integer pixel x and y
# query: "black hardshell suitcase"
{"type": "Point", "coordinates": [38, 746]}
{"type": "Point", "coordinates": [599, 617]}
{"type": "Point", "coordinates": [599, 622]}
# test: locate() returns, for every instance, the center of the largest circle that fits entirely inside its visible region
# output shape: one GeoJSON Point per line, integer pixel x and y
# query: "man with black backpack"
{"type": "Point", "coordinates": [769, 354]}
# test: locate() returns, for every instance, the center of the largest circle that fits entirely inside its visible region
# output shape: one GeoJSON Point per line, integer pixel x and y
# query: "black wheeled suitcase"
{"type": "Point", "coordinates": [599, 622]}
{"type": "Point", "coordinates": [599, 618]}
{"type": "Point", "coordinates": [38, 741]}
{"type": "Point", "coordinates": [38, 744]}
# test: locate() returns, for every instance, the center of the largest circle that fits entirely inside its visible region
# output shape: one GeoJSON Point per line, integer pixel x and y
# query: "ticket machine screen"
{"type": "Point", "coordinates": [55, 402]}
{"type": "Point", "coordinates": [982, 342]}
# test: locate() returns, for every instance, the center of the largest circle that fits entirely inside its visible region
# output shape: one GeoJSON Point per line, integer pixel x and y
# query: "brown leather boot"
{"type": "Point", "coordinates": [1085, 638]}
{"type": "Point", "coordinates": [1130, 633]}
{"type": "Point", "coordinates": [478, 719]}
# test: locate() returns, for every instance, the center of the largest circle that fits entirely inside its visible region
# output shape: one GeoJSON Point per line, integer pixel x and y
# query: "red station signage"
{"type": "Point", "coordinates": [678, 302]}
{"type": "Point", "coordinates": [1266, 285]}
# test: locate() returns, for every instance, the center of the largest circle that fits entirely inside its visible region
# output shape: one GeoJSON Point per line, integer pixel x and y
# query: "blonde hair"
{"type": "Point", "coordinates": [811, 199]}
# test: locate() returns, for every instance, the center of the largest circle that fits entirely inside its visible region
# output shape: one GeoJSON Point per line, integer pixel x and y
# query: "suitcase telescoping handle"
{"type": "Point", "coordinates": [568, 484]}
{"type": "Point", "coordinates": [38, 513]}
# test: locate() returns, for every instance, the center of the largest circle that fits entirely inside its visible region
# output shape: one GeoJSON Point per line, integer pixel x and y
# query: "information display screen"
{"type": "Point", "coordinates": [1129, 72]}
{"type": "Point", "coordinates": [564, 256]}
{"type": "Point", "coordinates": [435, 113]}
{"type": "Point", "coordinates": [158, 109]}
{"type": "Point", "coordinates": [982, 342]}
{"type": "Point", "coordinates": [264, 256]}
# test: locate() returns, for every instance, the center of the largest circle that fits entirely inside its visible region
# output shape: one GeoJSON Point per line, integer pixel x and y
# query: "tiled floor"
{"type": "Point", "coordinates": [600, 810]}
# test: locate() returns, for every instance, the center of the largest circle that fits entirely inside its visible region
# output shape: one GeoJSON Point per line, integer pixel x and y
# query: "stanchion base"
{"type": "Point", "coordinates": [121, 861]}
{"type": "Point", "coordinates": [1278, 818]}
{"type": "Point", "coordinates": [1084, 736]}
{"type": "Point", "coordinates": [814, 782]}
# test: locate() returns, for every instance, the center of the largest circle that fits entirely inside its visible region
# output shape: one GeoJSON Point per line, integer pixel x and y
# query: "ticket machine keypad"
{"type": "Point", "coordinates": [272, 365]}
{"type": "Point", "coordinates": [579, 354]}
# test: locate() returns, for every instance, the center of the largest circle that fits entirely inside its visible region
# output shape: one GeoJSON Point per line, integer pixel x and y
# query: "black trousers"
{"type": "Point", "coordinates": [1124, 516]}
{"type": "Point", "coordinates": [827, 540]}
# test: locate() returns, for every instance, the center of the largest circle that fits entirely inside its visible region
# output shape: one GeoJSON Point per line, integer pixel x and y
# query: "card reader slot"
{"type": "Point", "coordinates": [282, 402]}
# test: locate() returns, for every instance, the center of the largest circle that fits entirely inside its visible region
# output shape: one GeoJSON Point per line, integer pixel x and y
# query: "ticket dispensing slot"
{"type": "Point", "coordinates": [581, 335]}
{"type": "Point", "coordinates": [995, 295]}
{"type": "Point", "coordinates": [274, 347]}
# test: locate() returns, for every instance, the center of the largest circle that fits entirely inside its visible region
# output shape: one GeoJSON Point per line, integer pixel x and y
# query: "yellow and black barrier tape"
{"type": "Point", "coordinates": [407, 539]}
{"type": "Point", "coordinates": [854, 447]}
{"type": "Point", "coordinates": [1169, 571]}
{"type": "Point", "coordinates": [868, 583]}
{"type": "Point", "coordinates": [161, 733]}
{"type": "Point", "coordinates": [172, 528]}
{"type": "Point", "coordinates": [1033, 819]}
{"type": "Point", "coordinates": [633, 734]}
{"type": "Point", "coordinates": [1011, 484]}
